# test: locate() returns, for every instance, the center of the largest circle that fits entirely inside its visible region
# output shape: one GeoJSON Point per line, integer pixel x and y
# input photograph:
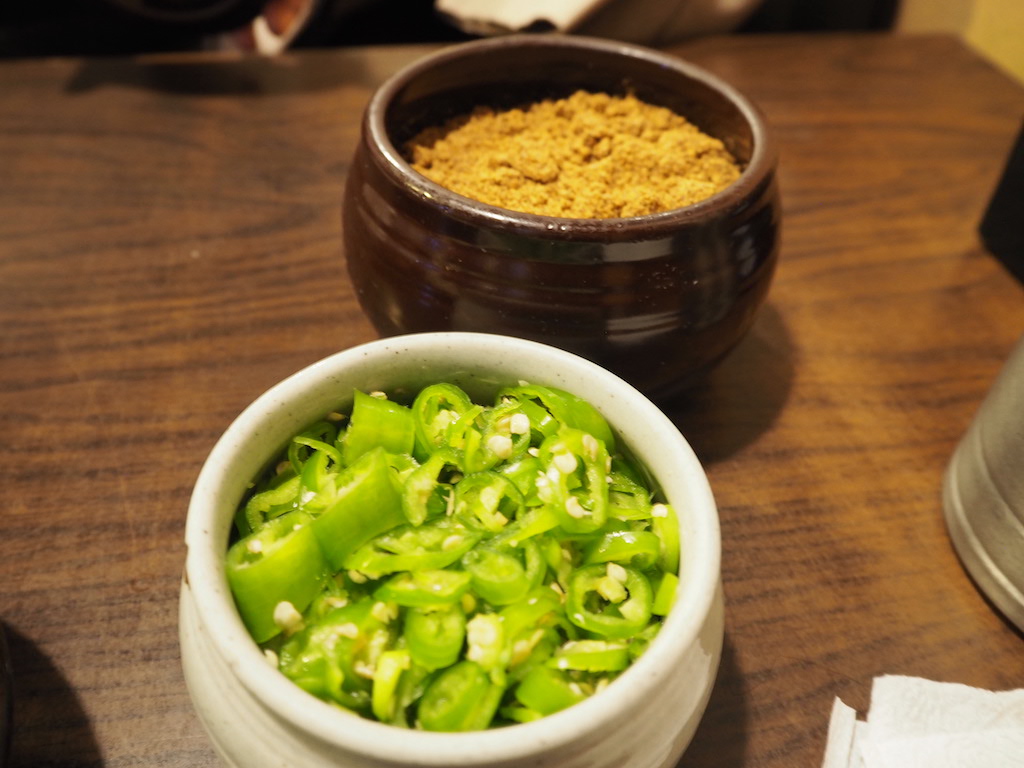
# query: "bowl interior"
{"type": "Point", "coordinates": [481, 363]}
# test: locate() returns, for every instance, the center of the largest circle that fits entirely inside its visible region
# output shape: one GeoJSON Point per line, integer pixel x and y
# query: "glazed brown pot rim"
{"type": "Point", "coordinates": [758, 169]}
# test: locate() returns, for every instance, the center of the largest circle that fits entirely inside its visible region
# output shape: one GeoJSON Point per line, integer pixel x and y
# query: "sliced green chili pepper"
{"type": "Point", "coordinates": [484, 438]}
{"type": "Point", "coordinates": [588, 605]}
{"type": "Point", "coordinates": [461, 698]}
{"type": "Point", "coordinates": [434, 410]}
{"type": "Point", "coordinates": [575, 481]}
{"type": "Point", "coordinates": [486, 501]}
{"type": "Point", "coordinates": [665, 524]}
{"type": "Point", "coordinates": [403, 465]}
{"type": "Point", "coordinates": [564, 408]}
{"type": "Point", "coordinates": [639, 549]}
{"type": "Point", "coordinates": [592, 656]}
{"type": "Point", "coordinates": [533, 522]}
{"type": "Point", "coordinates": [547, 691]}
{"type": "Point", "coordinates": [329, 450]}
{"type": "Point", "coordinates": [498, 575]}
{"type": "Point", "coordinates": [270, 503]}
{"type": "Point", "coordinates": [424, 588]}
{"type": "Point", "coordinates": [424, 495]}
{"type": "Point", "coordinates": [535, 648]}
{"type": "Point", "coordinates": [542, 423]}
{"type": "Point", "coordinates": [377, 422]}
{"type": "Point", "coordinates": [528, 632]}
{"type": "Point", "coordinates": [533, 562]}
{"type": "Point", "coordinates": [586, 418]}
{"type": "Point", "coordinates": [558, 559]}
{"type": "Point", "coordinates": [520, 714]}
{"type": "Point", "coordinates": [319, 487]}
{"type": "Point", "coordinates": [411, 687]}
{"type": "Point", "coordinates": [486, 644]}
{"type": "Point", "coordinates": [276, 571]}
{"type": "Point", "coordinates": [335, 594]}
{"type": "Point", "coordinates": [665, 594]}
{"type": "Point", "coordinates": [627, 499]}
{"type": "Point", "coordinates": [463, 436]}
{"type": "Point", "coordinates": [642, 639]}
{"type": "Point", "coordinates": [532, 649]}
{"type": "Point", "coordinates": [320, 674]}
{"type": "Point", "coordinates": [625, 470]}
{"type": "Point", "coordinates": [335, 658]}
{"type": "Point", "coordinates": [523, 472]}
{"type": "Point", "coordinates": [434, 636]}
{"type": "Point", "coordinates": [494, 436]}
{"type": "Point", "coordinates": [391, 665]}
{"type": "Point", "coordinates": [369, 502]}
{"type": "Point", "coordinates": [434, 545]}
{"type": "Point", "coordinates": [529, 613]}
{"type": "Point", "coordinates": [321, 434]}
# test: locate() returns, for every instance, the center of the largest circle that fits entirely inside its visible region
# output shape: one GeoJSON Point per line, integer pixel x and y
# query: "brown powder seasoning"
{"type": "Point", "coordinates": [588, 156]}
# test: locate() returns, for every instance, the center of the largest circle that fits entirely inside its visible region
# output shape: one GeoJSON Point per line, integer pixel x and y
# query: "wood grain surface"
{"type": "Point", "coordinates": [170, 247]}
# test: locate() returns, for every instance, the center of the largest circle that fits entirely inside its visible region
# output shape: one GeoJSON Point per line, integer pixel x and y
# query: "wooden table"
{"type": "Point", "coordinates": [170, 247]}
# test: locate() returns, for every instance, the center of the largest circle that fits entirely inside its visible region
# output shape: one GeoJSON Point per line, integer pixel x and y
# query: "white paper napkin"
{"type": "Point", "coordinates": [915, 723]}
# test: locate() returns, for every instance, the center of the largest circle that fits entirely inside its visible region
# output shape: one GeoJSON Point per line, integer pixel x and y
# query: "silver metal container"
{"type": "Point", "coordinates": [983, 492]}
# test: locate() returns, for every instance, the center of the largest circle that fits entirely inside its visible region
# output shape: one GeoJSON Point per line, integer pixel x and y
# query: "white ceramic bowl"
{"type": "Point", "coordinates": [256, 717]}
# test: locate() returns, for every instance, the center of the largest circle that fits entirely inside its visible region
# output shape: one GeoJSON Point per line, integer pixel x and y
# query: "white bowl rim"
{"type": "Point", "coordinates": [205, 580]}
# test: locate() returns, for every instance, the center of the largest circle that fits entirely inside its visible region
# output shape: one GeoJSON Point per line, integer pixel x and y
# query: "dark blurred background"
{"type": "Point", "coordinates": [118, 27]}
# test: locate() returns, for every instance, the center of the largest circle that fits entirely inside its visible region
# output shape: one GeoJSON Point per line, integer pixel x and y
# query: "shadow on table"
{"type": "Point", "coordinates": [50, 727]}
{"type": "Point", "coordinates": [740, 398]}
{"type": "Point", "coordinates": [222, 76]}
{"type": "Point", "coordinates": [721, 738]}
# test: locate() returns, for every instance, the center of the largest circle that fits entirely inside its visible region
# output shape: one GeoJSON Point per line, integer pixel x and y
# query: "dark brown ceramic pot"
{"type": "Point", "coordinates": [657, 299]}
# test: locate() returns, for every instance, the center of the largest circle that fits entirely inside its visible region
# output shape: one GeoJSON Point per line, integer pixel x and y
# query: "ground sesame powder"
{"type": "Point", "coordinates": [590, 155]}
